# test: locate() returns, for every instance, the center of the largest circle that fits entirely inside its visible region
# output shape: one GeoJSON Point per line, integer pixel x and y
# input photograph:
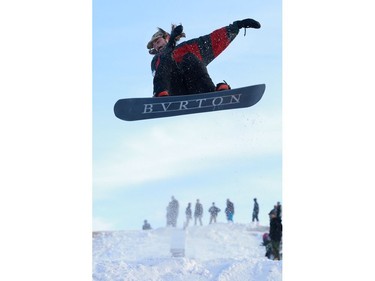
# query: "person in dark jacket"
{"type": "Point", "coordinates": [214, 211]}
{"type": "Point", "coordinates": [278, 210]}
{"type": "Point", "coordinates": [172, 212]}
{"type": "Point", "coordinates": [182, 69]}
{"type": "Point", "coordinates": [188, 215]}
{"type": "Point", "coordinates": [198, 212]}
{"type": "Point", "coordinates": [267, 243]}
{"type": "Point", "coordinates": [276, 230]}
{"type": "Point", "coordinates": [255, 211]}
{"type": "Point", "coordinates": [229, 210]}
{"type": "Point", "coordinates": [146, 225]}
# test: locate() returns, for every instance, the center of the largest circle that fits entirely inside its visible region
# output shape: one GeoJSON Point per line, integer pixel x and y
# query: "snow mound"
{"type": "Point", "coordinates": [220, 252]}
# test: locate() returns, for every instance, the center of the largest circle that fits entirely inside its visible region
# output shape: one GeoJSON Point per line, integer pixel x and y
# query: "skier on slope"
{"type": "Point", "coordinates": [182, 69]}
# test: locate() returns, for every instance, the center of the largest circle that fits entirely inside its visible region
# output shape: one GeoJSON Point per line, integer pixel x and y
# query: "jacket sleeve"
{"type": "Point", "coordinates": [209, 46]}
{"type": "Point", "coordinates": [213, 44]}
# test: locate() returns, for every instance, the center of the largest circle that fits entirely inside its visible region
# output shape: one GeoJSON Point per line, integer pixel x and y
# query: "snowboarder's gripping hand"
{"type": "Point", "coordinates": [247, 23]}
{"type": "Point", "coordinates": [176, 35]}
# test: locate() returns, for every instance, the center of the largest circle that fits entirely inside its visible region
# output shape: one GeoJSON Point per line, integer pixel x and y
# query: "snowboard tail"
{"type": "Point", "coordinates": [148, 108]}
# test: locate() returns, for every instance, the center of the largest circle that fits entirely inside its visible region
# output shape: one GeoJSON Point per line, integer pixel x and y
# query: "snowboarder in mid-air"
{"type": "Point", "coordinates": [182, 69]}
{"type": "Point", "coordinates": [181, 76]}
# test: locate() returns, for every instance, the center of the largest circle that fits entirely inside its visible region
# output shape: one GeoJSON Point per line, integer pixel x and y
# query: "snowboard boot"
{"type": "Point", "coordinates": [222, 86]}
{"type": "Point", "coordinates": [162, 94]}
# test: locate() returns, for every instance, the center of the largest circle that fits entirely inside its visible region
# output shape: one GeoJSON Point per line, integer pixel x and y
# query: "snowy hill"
{"type": "Point", "coordinates": [218, 252]}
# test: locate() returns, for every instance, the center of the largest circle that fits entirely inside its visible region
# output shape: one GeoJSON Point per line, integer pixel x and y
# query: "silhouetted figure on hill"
{"type": "Point", "coordinates": [188, 214]}
{"type": "Point", "coordinates": [278, 210]}
{"type": "Point", "coordinates": [172, 212]}
{"type": "Point", "coordinates": [229, 210]}
{"type": "Point", "coordinates": [214, 211]}
{"type": "Point", "coordinates": [276, 230]}
{"type": "Point", "coordinates": [255, 211]}
{"type": "Point", "coordinates": [198, 212]}
{"type": "Point", "coordinates": [267, 243]}
{"type": "Point", "coordinates": [146, 225]}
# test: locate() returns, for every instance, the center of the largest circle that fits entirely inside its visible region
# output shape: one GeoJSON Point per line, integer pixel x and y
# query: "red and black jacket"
{"type": "Point", "coordinates": [182, 69]}
{"type": "Point", "coordinates": [206, 48]}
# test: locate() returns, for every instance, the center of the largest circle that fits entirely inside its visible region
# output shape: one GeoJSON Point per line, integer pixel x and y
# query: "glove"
{"type": "Point", "coordinates": [247, 23]}
{"type": "Point", "coordinates": [176, 35]}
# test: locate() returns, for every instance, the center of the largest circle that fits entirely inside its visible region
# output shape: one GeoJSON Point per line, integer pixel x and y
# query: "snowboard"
{"type": "Point", "coordinates": [132, 109]}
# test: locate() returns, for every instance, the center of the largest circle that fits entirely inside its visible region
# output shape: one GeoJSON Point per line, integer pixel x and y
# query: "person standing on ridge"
{"type": "Point", "coordinates": [255, 211]}
{"type": "Point", "coordinates": [276, 232]}
{"type": "Point", "coordinates": [172, 212]}
{"type": "Point", "coordinates": [146, 225]}
{"type": "Point", "coordinates": [229, 210]}
{"type": "Point", "coordinates": [188, 215]}
{"type": "Point", "coordinates": [182, 69]}
{"type": "Point", "coordinates": [198, 212]}
{"type": "Point", "coordinates": [278, 209]}
{"type": "Point", "coordinates": [214, 211]}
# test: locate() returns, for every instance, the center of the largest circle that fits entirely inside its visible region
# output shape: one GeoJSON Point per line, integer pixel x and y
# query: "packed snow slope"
{"type": "Point", "coordinates": [217, 252]}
